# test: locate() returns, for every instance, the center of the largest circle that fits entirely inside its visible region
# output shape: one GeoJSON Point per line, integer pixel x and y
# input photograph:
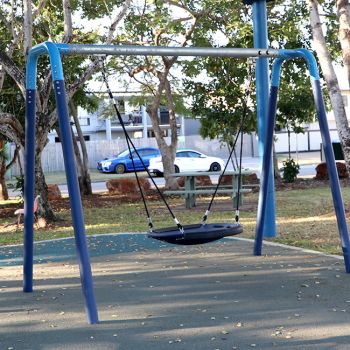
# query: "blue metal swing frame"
{"type": "Point", "coordinates": [56, 50]}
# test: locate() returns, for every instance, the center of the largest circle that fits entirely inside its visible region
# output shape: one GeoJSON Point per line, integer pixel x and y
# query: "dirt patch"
{"type": "Point", "coordinates": [8, 209]}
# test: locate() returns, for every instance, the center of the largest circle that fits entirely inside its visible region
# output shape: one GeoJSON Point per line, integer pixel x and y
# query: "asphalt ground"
{"type": "Point", "coordinates": [153, 295]}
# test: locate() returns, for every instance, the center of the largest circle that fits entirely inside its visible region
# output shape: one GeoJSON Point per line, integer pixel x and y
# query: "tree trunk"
{"type": "Point", "coordinates": [81, 158]}
{"type": "Point", "coordinates": [169, 159]}
{"type": "Point", "coordinates": [167, 151]}
{"type": "Point", "coordinates": [67, 15]}
{"type": "Point", "coordinates": [83, 174]}
{"type": "Point", "coordinates": [343, 13]}
{"type": "Point", "coordinates": [288, 133]}
{"type": "Point", "coordinates": [276, 171]}
{"type": "Point", "coordinates": [3, 158]}
{"type": "Point", "coordinates": [4, 168]}
{"type": "Point", "coordinates": [27, 26]}
{"type": "Point", "coordinates": [42, 131]}
{"type": "Point", "coordinates": [3, 188]}
{"type": "Point", "coordinates": [45, 209]}
{"type": "Point", "coordinates": [330, 77]}
{"type": "Point", "coordinates": [233, 160]}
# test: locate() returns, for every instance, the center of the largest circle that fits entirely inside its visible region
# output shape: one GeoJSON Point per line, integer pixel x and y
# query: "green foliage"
{"type": "Point", "coordinates": [296, 103]}
{"type": "Point", "coordinates": [220, 102]}
{"type": "Point", "coordinates": [48, 24]}
{"type": "Point", "coordinates": [218, 99]}
{"type": "Point", "coordinates": [19, 186]}
{"type": "Point", "coordinates": [290, 170]}
{"type": "Point", "coordinates": [12, 100]}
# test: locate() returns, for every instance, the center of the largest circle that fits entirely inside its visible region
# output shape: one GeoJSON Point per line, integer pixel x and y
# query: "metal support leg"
{"type": "Point", "coordinates": [29, 174]}
{"type": "Point", "coordinates": [262, 92]}
{"type": "Point", "coordinates": [332, 172]}
{"type": "Point", "coordinates": [72, 178]}
{"type": "Point", "coordinates": [328, 150]}
{"type": "Point", "coordinates": [265, 173]}
{"type": "Point", "coordinates": [75, 202]}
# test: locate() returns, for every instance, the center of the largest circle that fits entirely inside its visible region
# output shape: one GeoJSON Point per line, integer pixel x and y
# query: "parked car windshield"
{"type": "Point", "coordinates": [143, 153]}
{"type": "Point", "coordinates": [187, 154]}
{"type": "Point", "coordinates": [123, 154]}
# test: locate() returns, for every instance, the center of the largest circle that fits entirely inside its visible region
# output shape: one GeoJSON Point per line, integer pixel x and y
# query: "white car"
{"type": "Point", "coordinates": [188, 160]}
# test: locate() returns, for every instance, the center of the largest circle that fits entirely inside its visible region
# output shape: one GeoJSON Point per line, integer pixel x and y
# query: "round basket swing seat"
{"type": "Point", "coordinates": [196, 234]}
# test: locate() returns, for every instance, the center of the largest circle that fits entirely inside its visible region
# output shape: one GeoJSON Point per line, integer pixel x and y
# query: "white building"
{"type": "Point", "coordinates": [136, 121]}
{"type": "Point", "coordinates": [139, 126]}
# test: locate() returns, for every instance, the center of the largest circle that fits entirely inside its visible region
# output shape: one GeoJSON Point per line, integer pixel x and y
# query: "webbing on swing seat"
{"type": "Point", "coordinates": [185, 234]}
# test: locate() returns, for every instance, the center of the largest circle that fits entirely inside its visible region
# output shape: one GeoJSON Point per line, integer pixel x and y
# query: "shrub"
{"type": "Point", "coordinates": [290, 170]}
{"type": "Point", "coordinates": [19, 186]}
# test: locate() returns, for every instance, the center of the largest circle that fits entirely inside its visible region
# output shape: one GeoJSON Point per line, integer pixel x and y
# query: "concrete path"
{"type": "Point", "coordinates": [158, 296]}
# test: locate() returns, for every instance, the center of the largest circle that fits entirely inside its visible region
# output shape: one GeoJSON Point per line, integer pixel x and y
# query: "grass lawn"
{"type": "Point", "coordinates": [305, 216]}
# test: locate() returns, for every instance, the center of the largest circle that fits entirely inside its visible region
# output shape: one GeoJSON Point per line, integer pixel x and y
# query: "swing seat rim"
{"type": "Point", "coordinates": [196, 233]}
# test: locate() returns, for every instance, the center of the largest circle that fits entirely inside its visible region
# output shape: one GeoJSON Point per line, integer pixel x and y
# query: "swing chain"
{"type": "Point", "coordinates": [247, 93]}
{"type": "Point", "coordinates": [131, 144]}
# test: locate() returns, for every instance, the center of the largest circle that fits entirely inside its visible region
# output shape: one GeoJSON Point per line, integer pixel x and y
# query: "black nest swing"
{"type": "Point", "coordinates": [196, 233]}
{"type": "Point", "coordinates": [186, 234]}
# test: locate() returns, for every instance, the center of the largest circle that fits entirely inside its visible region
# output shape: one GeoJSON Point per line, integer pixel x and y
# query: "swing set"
{"type": "Point", "coordinates": [191, 234]}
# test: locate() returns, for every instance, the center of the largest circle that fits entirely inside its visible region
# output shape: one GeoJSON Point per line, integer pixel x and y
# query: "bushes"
{"type": "Point", "coordinates": [290, 170]}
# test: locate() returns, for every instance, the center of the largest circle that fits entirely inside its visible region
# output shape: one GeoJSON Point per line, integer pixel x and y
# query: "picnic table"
{"type": "Point", "coordinates": [190, 190]}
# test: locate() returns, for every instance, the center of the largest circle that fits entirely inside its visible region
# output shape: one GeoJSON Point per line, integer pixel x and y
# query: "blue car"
{"type": "Point", "coordinates": [123, 163]}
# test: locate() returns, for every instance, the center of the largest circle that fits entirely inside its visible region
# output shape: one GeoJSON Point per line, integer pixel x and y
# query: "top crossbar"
{"type": "Point", "coordinates": [129, 50]}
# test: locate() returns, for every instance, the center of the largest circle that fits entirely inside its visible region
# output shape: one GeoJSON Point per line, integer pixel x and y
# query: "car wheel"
{"type": "Point", "coordinates": [215, 167]}
{"type": "Point", "coordinates": [119, 169]}
{"type": "Point", "coordinates": [158, 174]}
{"type": "Point", "coordinates": [177, 170]}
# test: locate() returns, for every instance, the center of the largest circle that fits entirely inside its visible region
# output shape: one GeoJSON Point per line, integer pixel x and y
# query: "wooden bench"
{"type": "Point", "coordinates": [211, 190]}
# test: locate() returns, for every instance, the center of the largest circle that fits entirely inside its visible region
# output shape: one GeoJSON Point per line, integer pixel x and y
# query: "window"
{"type": "Point", "coordinates": [86, 138]}
{"type": "Point", "coordinates": [150, 152]}
{"type": "Point", "coordinates": [142, 153]}
{"type": "Point", "coordinates": [194, 155]}
{"type": "Point", "coordinates": [182, 154]}
{"type": "Point", "coordinates": [84, 121]}
{"type": "Point", "coordinates": [137, 134]}
{"type": "Point", "coordinates": [150, 133]}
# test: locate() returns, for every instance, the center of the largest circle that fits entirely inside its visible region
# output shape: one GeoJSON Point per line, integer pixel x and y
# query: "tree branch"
{"type": "Point", "coordinates": [171, 109]}
{"type": "Point", "coordinates": [67, 19]}
{"type": "Point", "coordinates": [38, 8]}
{"type": "Point", "coordinates": [14, 158]}
{"type": "Point", "coordinates": [27, 26]}
{"type": "Point", "coordinates": [72, 88]}
{"type": "Point", "coordinates": [152, 111]}
{"type": "Point", "coordinates": [13, 71]}
{"type": "Point", "coordinates": [9, 26]}
{"type": "Point", "coordinates": [12, 128]}
{"type": "Point", "coordinates": [182, 6]}
{"type": "Point", "coordinates": [116, 20]}
{"type": "Point", "coordinates": [188, 34]}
